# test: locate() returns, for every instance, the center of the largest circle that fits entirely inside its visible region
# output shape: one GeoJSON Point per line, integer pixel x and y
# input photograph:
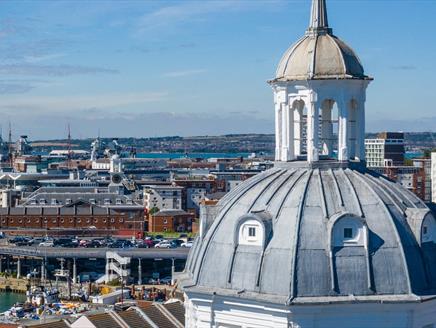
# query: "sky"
{"type": "Point", "coordinates": [159, 68]}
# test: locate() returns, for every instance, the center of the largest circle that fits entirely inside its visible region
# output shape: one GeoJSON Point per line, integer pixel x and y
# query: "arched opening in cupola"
{"type": "Point", "coordinates": [328, 128]}
{"type": "Point", "coordinates": [299, 111]}
{"type": "Point", "coordinates": [352, 128]}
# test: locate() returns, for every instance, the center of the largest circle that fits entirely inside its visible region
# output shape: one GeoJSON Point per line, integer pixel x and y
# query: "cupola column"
{"type": "Point", "coordinates": [287, 152]}
{"type": "Point", "coordinates": [312, 131]}
{"type": "Point", "coordinates": [351, 129]}
{"type": "Point", "coordinates": [285, 148]}
{"type": "Point", "coordinates": [343, 131]}
{"type": "Point", "coordinates": [360, 129]}
{"type": "Point", "coordinates": [278, 124]}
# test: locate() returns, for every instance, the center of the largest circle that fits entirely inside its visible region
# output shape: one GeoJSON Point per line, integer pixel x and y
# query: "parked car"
{"type": "Point", "coordinates": [37, 240]}
{"type": "Point", "coordinates": [143, 245]}
{"type": "Point", "coordinates": [21, 241]}
{"type": "Point", "coordinates": [64, 242]}
{"type": "Point", "coordinates": [47, 243]}
{"type": "Point", "coordinates": [152, 281]}
{"type": "Point", "coordinates": [83, 242]}
{"type": "Point", "coordinates": [158, 238]}
{"type": "Point", "coordinates": [149, 242]}
{"type": "Point", "coordinates": [121, 244]}
{"type": "Point", "coordinates": [93, 244]}
{"type": "Point", "coordinates": [164, 244]}
{"type": "Point", "coordinates": [75, 242]}
{"type": "Point", "coordinates": [187, 244]}
{"type": "Point", "coordinates": [165, 280]}
{"type": "Point", "coordinates": [103, 241]}
{"type": "Point", "coordinates": [177, 242]}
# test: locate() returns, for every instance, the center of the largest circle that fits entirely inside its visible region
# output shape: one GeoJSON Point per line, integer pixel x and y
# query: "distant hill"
{"type": "Point", "coordinates": [225, 143]}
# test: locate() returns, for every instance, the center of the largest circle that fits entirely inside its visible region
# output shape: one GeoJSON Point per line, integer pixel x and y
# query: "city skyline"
{"type": "Point", "coordinates": [147, 69]}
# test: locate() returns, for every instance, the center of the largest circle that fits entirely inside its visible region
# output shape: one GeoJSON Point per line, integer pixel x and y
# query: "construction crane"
{"type": "Point", "coordinates": [69, 151]}
{"type": "Point", "coordinates": [10, 145]}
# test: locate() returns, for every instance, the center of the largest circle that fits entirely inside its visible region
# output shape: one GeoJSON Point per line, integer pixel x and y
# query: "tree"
{"type": "Point", "coordinates": [427, 152]}
{"type": "Point", "coordinates": [154, 210]}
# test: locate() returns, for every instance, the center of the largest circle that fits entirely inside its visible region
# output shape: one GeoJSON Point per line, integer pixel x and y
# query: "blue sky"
{"type": "Point", "coordinates": [153, 68]}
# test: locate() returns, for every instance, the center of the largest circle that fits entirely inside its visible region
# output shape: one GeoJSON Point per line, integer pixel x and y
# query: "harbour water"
{"type": "Point", "coordinates": [192, 155]}
{"type": "Point", "coordinates": [7, 299]}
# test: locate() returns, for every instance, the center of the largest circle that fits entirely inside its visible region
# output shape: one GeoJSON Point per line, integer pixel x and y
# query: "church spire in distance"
{"type": "Point", "coordinates": [318, 18]}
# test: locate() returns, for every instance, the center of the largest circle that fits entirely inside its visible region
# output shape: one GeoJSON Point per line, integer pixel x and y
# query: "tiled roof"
{"type": "Point", "coordinates": [144, 316]}
{"type": "Point", "coordinates": [177, 310]}
{"type": "Point", "coordinates": [103, 320]}
{"type": "Point", "coordinates": [54, 324]}
{"type": "Point", "coordinates": [158, 317]}
{"type": "Point", "coordinates": [134, 320]}
{"type": "Point", "coordinates": [171, 212]}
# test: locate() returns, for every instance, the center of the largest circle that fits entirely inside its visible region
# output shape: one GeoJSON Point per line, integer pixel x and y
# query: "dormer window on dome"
{"type": "Point", "coordinates": [253, 229]}
{"type": "Point", "coordinates": [348, 230]}
{"type": "Point", "coordinates": [251, 233]}
{"type": "Point", "coordinates": [428, 229]}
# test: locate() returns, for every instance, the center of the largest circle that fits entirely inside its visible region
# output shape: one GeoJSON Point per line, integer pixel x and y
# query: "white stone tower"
{"type": "Point", "coordinates": [318, 75]}
{"type": "Point", "coordinates": [314, 242]}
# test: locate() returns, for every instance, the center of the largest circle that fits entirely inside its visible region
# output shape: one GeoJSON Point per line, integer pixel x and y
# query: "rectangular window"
{"type": "Point", "coordinates": [252, 232]}
{"type": "Point", "coordinates": [424, 230]}
{"type": "Point", "coordinates": [348, 233]}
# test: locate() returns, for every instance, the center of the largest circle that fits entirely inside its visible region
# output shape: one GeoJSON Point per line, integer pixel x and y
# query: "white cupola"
{"type": "Point", "coordinates": [319, 94]}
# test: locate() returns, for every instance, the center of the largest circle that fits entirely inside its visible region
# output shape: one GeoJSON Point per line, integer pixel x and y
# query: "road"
{"type": "Point", "coordinates": [63, 252]}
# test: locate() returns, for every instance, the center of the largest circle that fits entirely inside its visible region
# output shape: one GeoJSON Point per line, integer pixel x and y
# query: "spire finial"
{"type": "Point", "coordinates": [318, 18]}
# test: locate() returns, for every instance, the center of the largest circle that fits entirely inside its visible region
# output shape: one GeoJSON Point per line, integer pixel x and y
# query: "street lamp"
{"type": "Point", "coordinates": [122, 286]}
{"type": "Point", "coordinates": [172, 271]}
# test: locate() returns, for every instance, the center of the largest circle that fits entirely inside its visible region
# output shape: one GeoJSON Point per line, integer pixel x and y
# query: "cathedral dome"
{"type": "Point", "coordinates": [319, 56]}
{"type": "Point", "coordinates": [313, 233]}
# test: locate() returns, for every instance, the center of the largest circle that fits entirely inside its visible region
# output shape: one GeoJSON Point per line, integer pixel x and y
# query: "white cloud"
{"type": "Point", "coordinates": [184, 11]}
{"type": "Point", "coordinates": [40, 58]}
{"type": "Point", "coordinates": [85, 123]}
{"type": "Point", "coordinates": [52, 70]}
{"type": "Point", "coordinates": [184, 73]}
{"type": "Point", "coordinates": [45, 105]}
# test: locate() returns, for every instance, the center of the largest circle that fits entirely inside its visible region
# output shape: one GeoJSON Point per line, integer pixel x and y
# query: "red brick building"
{"type": "Point", "coordinates": [171, 221]}
{"type": "Point", "coordinates": [74, 217]}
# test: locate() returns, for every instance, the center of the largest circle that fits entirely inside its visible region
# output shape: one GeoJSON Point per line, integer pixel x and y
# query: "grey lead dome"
{"type": "Point", "coordinates": [299, 205]}
{"type": "Point", "coordinates": [319, 57]}
{"type": "Point", "coordinates": [319, 54]}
